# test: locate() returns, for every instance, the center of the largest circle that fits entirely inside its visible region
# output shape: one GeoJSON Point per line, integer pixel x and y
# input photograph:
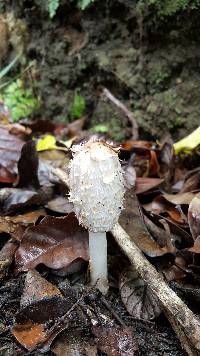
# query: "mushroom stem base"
{"type": "Point", "coordinates": [98, 260]}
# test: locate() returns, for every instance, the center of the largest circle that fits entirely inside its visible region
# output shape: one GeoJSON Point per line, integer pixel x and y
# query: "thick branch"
{"type": "Point", "coordinates": [167, 297]}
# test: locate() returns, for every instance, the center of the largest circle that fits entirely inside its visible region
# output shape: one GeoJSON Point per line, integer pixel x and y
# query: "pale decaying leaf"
{"type": "Point", "coordinates": [189, 142]}
{"type": "Point", "coordinates": [194, 217]}
{"type": "Point", "coordinates": [137, 297]}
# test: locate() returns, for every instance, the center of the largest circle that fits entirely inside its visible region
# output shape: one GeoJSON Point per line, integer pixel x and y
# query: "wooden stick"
{"type": "Point", "coordinates": [124, 109]}
{"type": "Point", "coordinates": [187, 320]}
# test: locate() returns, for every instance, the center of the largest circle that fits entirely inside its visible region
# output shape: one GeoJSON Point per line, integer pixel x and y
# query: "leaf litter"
{"type": "Point", "coordinates": [44, 252]}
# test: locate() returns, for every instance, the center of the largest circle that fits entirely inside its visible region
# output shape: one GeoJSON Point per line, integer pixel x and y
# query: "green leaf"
{"type": "Point", "coordinates": [78, 106]}
{"type": "Point", "coordinates": [100, 128]}
{"type": "Point", "coordinates": [19, 100]}
{"type": "Point", "coordinates": [53, 6]}
{"type": "Point", "coordinates": [83, 4]}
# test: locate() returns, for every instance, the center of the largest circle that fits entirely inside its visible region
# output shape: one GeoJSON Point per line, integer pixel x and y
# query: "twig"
{"type": "Point", "coordinates": [124, 109]}
{"type": "Point", "coordinates": [169, 300]}
{"type": "Point", "coordinates": [113, 312]}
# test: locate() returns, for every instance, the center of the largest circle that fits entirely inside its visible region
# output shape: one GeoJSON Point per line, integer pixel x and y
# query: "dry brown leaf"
{"type": "Point", "coordinates": [6, 257]}
{"type": "Point", "coordinates": [55, 242]}
{"type": "Point", "coordinates": [10, 150]}
{"type": "Point", "coordinates": [16, 225]}
{"type": "Point", "coordinates": [41, 302]}
{"type": "Point", "coordinates": [194, 217]}
{"type": "Point", "coordinates": [115, 341]}
{"type": "Point", "coordinates": [75, 343]}
{"type": "Point", "coordinates": [138, 299]}
{"type": "Point", "coordinates": [29, 335]}
{"type": "Point", "coordinates": [37, 288]}
{"type": "Point", "coordinates": [60, 205]}
{"type": "Point", "coordinates": [130, 220]}
{"type": "Point", "coordinates": [144, 184]}
{"type": "Point", "coordinates": [181, 198]}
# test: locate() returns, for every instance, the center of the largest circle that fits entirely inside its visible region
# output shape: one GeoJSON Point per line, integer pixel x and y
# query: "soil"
{"type": "Point", "coordinates": [151, 65]}
{"type": "Point", "coordinates": [154, 338]}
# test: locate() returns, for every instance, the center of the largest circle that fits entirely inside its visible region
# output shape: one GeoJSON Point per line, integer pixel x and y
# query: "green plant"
{"type": "Point", "coordinates": [100, 128]}
{"type": "Point", "coordinates": [83, 4]}
{"type": "Point", "coordinates": [53, 6]}
{"type": "Point", "coordinates": [169, 7]}
{"type": "Point", "coordinates": [78, 106]}
{"type": "Point", "coordinates": [19, 100]}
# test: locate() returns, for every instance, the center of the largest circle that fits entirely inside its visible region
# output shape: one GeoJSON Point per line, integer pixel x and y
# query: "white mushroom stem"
{"type": "Point", "coordinates": [96, 189]}
{"type": "Point", "coordinates": [98, 260]}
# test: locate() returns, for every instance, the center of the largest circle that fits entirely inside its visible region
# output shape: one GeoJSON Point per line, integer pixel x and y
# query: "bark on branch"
{"type": "Point", "coordinates": [169, 300]}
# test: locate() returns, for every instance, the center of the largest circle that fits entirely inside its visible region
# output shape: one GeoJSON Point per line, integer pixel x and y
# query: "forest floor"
{"type": "Point", "coordinates": [140, 88]}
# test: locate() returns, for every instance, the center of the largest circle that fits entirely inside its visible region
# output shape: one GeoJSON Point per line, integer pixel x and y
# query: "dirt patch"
{"type": "Point", "coordinates": [154, 73]}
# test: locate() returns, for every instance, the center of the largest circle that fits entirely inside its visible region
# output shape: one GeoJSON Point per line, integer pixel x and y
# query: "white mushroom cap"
{"type": "Point", "coordinates": [96, 185]}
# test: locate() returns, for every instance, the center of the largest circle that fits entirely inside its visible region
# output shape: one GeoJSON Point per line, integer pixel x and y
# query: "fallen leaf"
{"type": "Point", "coordinates": [43, 126]}
{"type": "Point", "coordinates": [16, 225]}
{"type": "Point", "coordinates": [48, 142]}
{"type": "Point", "coordinates": [167, 163]}
{"type": "Point", "coordinates": [39, 319]}
{"type": "Point", "coordinates": [37, 288]}
{"type": "Point", "coordinates": [74, 343]}
{"type": "Point", "coordinates": [115, 341]}
{"type": "Point", "coordinates": [60, 205]}
{"type": "Point", "coordinates": [20, 198]}
{"type": "Point", "coordinates": [160, 205]}
{"type": "Point", "coordinates": [196, 247]}
{"type": "Point", "coordinates": [6, 257]}
{"type": "Point", "coordinates": [131, 221]}
{"type": "Point", "coordinates": [191, 181]}
{"type": "Point", "coordinates": [188, 143]}
{"type": "Point", "coordinates": [10, 150]}
{"type": "Point", "coordinates": [144, 184]}
{"type": "Point", "coordinates": [28, 178]}
{"type": "Point", "coordinates": [55, 242]}
{"type": "Point", "coordinates": [41, 300]}
{"type": "Point", "coordinates": [137, 146]}
{"type": "Point", "coordinates": [180, 237]}
{"type": "Point", "coordinates": [137, 296]}
{"type": "Point", "coordinates": [154, 166]}
{"type": "Point", "coordinates": [29, 334]}
{"type": "Point", "coordinates": [194, 217]}
{"type": "Point", "coordinates": [181, 198]}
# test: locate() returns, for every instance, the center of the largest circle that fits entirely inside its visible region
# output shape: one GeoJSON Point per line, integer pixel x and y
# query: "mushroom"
{"type": "Point", "coordinates": [96, 189]}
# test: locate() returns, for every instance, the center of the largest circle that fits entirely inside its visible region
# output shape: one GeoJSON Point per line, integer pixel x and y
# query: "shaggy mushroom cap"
{"type": "Point", "coordinates": [96, 185]}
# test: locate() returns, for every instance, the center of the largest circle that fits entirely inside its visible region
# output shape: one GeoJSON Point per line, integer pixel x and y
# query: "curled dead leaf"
{"type": "Point", "coordinates": [55, 242]}
{"type": "Point", "coordinates": [137, 297]}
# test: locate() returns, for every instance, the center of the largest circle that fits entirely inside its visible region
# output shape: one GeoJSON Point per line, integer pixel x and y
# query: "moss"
{"type": "Point", "coordinates": [165, 8]}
